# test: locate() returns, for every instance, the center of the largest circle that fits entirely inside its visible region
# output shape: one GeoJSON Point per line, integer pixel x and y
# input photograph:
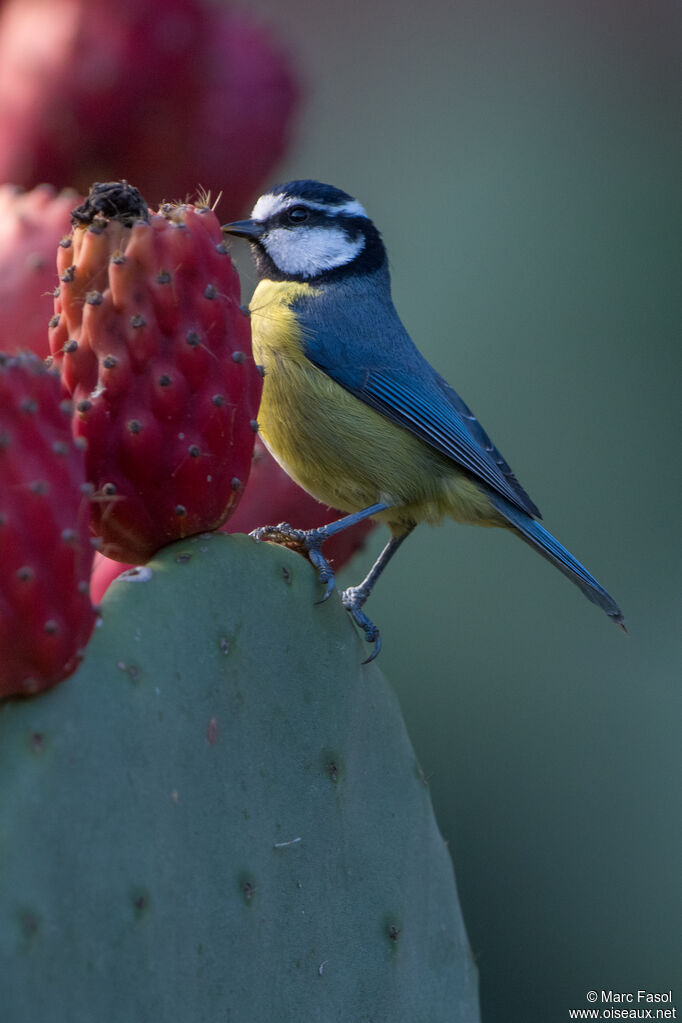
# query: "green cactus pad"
{"type": "Point", "coordinates": [220, 818]}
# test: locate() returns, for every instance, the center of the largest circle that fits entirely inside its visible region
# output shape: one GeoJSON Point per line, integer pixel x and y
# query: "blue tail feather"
{"type": "Point", "coordinates": [544, 543]}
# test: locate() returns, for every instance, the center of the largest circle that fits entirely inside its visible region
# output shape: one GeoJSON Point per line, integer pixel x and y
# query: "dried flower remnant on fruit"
{"type": "Point", "coordinates": [111, 200]}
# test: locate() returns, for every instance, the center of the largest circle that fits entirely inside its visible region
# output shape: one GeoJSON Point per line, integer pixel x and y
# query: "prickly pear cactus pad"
{"type": "Point", "coordinates": [220, 817]}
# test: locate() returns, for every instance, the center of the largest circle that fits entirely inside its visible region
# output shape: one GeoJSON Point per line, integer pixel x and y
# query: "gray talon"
{"type": "Point", "coordinates": [352, 599]}
{"type": "Point", "coordinates": [325, 572]}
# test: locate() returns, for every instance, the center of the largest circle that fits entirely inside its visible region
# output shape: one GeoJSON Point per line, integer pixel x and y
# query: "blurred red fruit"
{"type": "Point", "coordinates": [246, 112]}
{"type": "Point", "coordinates": [171, 94]}
{"type": "Point", "coordinates": [104, 571]}
{"type": "Point", "coordinates": [31, 224]}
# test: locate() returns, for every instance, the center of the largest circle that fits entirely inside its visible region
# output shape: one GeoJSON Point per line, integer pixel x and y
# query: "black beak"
{"type": "Point", "coordinates": [251, 229]}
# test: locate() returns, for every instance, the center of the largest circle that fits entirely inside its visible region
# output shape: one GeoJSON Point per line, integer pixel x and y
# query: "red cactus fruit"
{"type": "Point", "coordinates": [45, 550]}
{"type": "Point", "coordinates": [172, 94]}
{"type": "Point", "coordinates": [104, 571]}
{"type": "Point", "coordinates": [31, 224]}
{"type": "Point", "coordinates": [270, 497]}
{"type": "Point", "coordinates": [154, 347]}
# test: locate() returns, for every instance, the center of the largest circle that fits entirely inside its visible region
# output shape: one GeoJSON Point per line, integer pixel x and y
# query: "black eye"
{"type": "Point", "coordinates": [297, 214]}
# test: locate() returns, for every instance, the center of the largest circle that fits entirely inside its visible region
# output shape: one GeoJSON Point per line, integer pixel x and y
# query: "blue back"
{"type": "Point", "coordinates": [352, 331]}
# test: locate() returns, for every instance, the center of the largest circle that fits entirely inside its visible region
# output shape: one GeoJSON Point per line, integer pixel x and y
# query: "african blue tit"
{"type": "Point", "coordinates": [350, 408]}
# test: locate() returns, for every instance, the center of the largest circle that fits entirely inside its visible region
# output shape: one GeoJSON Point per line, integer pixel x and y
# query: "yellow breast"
{"type": "Point", "coordinates": [340, 450]}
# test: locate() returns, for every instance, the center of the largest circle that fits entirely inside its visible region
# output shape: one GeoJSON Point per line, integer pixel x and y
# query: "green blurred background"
{"type": "Point", "coordinates": [523, 162]}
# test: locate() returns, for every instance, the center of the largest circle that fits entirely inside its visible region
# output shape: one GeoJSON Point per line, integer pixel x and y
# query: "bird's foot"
{"type": "Point", "coordinates": [305, 541]}
{"type": "Point", "coordinates": [353, 599]}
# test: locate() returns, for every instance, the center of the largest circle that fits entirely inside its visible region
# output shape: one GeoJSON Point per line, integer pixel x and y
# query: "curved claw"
{"type": "Point", "coordinates": [352, 599]}
{"type": "Point", "coordinates": [325, 573]}
{"type": "Point", "coordinates": [377, 647]}
{"type": "Point", "coordinates": [329, 586]}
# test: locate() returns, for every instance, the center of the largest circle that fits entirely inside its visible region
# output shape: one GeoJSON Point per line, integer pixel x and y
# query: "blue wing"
{"type": "Point", "coordinates": [439, 416]}
{"type": "Point", "coordinates": [374, 358]}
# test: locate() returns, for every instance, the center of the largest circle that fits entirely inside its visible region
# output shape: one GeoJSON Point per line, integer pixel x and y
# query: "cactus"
{"type": "Point", "coordinates": [220, 817]}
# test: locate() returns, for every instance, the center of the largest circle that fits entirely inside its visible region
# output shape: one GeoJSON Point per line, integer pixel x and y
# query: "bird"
{"type": "Point", "coordinates": [352, 410]}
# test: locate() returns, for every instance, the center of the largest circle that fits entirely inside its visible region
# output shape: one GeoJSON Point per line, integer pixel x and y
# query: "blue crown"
{"type": "Point", "coordinates": [314, 191]}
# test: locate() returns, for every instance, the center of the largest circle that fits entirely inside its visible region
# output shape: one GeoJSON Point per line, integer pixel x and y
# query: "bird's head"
{"type": "Point", "coordinates": [307, 231]}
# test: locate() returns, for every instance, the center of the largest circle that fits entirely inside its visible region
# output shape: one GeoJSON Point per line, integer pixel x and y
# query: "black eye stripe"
{"type": "Point", "coordinates": [353, 225]}
{"type": "Point", "coordinates": [297, 214]}
{"type": "Point", "coordinates": [284, 217]}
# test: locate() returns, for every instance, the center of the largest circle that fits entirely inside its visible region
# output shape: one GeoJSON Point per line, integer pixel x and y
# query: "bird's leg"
{"type": "Point", "coordinates": [309, 541]}
{"type": "Point", "coordinates": [354, 597]}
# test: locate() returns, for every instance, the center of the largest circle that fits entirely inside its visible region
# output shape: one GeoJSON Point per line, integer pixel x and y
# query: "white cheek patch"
{"type": "Point", "coordinates": [308, 251]}
{"type": "Point", "coordinates": [269, 205]}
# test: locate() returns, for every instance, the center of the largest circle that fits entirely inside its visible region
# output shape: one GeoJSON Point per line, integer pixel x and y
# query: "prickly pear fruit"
{"type": "Point", "coordinates": [171, 93]}
{"type": "Point", "coordinates": [104, 571]}
{"type": "Point", "coordinates": [152, 344]}
{"type": "Point", "coordinates": [232, 822]}
{"type": "Point", "coordinates": [45, 551]}
{"type": "Point", "coordinates": [31, 225]}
